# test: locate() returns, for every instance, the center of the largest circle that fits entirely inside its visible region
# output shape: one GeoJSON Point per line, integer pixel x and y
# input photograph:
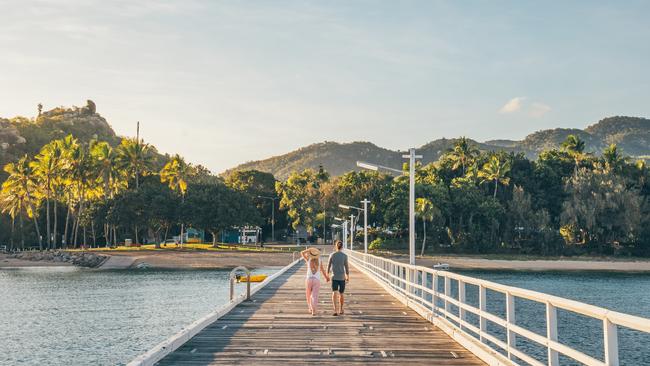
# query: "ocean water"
{"type": "Point", "coordinates": [70, 316]}
{"type": "Point", "coordinates": [623, 292]}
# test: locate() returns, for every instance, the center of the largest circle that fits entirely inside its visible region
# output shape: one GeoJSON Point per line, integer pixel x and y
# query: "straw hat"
{"type": "Point", "coordinates": [313, 253]}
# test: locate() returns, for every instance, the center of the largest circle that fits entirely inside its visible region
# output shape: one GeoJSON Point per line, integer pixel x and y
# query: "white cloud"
{"type": "Point", "coordinates": [521, 104]}
{"type": "Point", "coordinates": [512, 106]}
{"type": "Point", "coordinates": [538, 110]}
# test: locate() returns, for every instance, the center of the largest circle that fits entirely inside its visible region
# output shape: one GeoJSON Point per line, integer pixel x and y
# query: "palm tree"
{"type": "Point", "coordinates": [12, 202]}
{"type": "Point", "coordinates": [21, 186]}
{"type": "Point", "coordinates": [425, 209]}
{"type": "Point", "coordinates": [463, 153]}
{"type": "Point", "coordinates": [613, 159]}
{"type": "Point", "coordinates": [495, 171]}
{"type": "Point", "coordinates": [69, 146]}
{"type": "Point", "coordinates": [575, 147]}
{"type": "Point", "coordinates": [82, 179]}
{"type": "Point", "coordinates": [133, 156]}
{"type": "Point", "coordinates": [104, 158]}
{"type": "Point", "coordinates": [176, 174]}
{"type": "Point", "coordinates": [46, 168]}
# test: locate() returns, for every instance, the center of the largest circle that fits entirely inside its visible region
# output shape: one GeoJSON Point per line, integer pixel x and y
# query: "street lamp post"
{"type": "Point", "coordinates": [352, 225]}
{"type": "Point", "coordinates": [272, 215]}
{"type": "Point", "coordinates": [411, 156]}
{"type": "Point", "coordinates": [344, 224]}
{"type": "Point", "coordinates": [365, 220]}
{"type": "Point", "coordinates": [365, 225]}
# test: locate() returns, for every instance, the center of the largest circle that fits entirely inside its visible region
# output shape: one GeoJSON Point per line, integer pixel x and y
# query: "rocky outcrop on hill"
{"type": "Point", "coordinates": [21, 135]}
{"type": "Point", "coordinates": [80, 259]}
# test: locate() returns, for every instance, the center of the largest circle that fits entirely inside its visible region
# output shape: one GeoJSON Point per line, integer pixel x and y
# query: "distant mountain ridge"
{"type": "Point", "coordinates": [631, 134]}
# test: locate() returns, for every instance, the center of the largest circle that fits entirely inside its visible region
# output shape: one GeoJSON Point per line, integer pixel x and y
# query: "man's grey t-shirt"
{"type": "Point", "coordinates": [338, 264]}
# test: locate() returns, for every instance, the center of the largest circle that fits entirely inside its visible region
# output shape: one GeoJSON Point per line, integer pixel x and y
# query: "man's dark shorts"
{"type": "Point", "coordinates": [338, 285]}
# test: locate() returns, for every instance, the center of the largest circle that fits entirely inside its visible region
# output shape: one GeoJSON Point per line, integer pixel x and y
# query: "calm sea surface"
{"type": "Point", "coordinates": [626, 293]}
{"type": "Point", "coordinates": [69, 316]}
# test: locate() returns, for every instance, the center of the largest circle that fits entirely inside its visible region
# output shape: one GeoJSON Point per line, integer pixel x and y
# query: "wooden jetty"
{"type": "Point", "coordinates": [275, 328]}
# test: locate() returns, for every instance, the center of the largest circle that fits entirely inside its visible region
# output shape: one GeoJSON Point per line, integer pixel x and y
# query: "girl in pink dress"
{"type": "Point", "coordinates": [312, 281]}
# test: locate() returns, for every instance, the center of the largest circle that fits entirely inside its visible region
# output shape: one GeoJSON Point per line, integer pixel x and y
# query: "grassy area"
{"type": "Point", "coordinates": [188, 247]}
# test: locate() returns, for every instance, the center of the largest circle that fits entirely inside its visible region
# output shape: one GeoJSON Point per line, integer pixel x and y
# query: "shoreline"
{"type": "Point", "coordinates": [227, 259]}
{"type": "Point", "coordinates": [168, 260]}
{"type": "Point", "coordinates": [555, 265]}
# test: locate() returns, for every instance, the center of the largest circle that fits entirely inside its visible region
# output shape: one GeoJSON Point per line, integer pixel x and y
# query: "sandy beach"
{"type": "Point", "coordinates": [170, 260]}
{"type": "Point", "coordinates": [197, 260]}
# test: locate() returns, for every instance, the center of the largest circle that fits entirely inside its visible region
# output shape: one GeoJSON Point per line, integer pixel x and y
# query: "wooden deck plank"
{"type": "Point", "coordinates": [277, 329]}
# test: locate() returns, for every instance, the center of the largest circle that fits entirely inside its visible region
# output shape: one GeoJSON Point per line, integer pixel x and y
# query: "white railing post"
{"type": "Point", "coordinates": [434, 295]}
{"type": "Point", "coordinates": [551, 333]}
{"type": "Point", "coordinates": [482, 307]}
{"type": "Point", "coordinates": [461, 301]}
{"type": "Point", "coordinates": [510, 319]}
{"type": "Point", "coordinates": [610, 332]}
{"type": "Point", "coordinates": [447, 294]}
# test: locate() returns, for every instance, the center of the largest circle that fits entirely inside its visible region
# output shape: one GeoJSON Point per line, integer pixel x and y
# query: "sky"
{"type": "Point", "coordinates": [225, 82]}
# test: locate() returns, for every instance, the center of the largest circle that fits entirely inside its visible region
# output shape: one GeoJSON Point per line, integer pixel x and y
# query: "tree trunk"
{"type": "Point", "coordinates": [47, 220]}
{"type": "Point", "coordinates": [22, 232]}
{"type": "Point", "coordinates": [496, 185]}
{"type": "Point", "coordinates": [78, 220]}
{"type": "Point", "coordinates": [13, 224]}
{"type": "Point", "coordinates": [214, 239]}
{"type": "Point", "coordinates": [34, 213]}
{"type": "Point", "coordinates": [92, 230]}
{"type": "Point", "coordinates": [106, 239]}
{"type": "Point", "coordinates": [181, 238]}
{"type": "Point", "coordinates": [56, 222]}
{"type": "Point", "coordinates": [136, 235]}
{"type": "Point", "coordinates": [424, 236]}
{"type": "Point", "coordinates": [67, 223]}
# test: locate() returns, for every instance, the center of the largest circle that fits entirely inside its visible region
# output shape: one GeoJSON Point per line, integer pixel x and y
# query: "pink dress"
{"type": "Point", "coordinates": [313, 285]}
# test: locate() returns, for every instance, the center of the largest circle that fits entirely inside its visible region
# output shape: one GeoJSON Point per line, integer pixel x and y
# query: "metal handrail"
{"type": "Point", "coordinates": [403, 279]}
{"type": "Point", "coordinates": [233, 277]}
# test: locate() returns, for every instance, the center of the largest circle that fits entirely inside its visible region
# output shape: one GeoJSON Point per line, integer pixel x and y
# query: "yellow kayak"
{"type": "Point", "coordinates": [254, 278]}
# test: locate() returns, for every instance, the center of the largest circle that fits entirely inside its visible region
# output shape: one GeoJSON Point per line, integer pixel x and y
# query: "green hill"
{"type": "Point", "coordinates": [631, 134]}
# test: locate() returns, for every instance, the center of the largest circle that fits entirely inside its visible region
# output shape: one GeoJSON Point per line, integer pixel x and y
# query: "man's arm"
{"type": "Point", "coordinates": [329, 265]}
{"type": "Point", "coordinates": [347, 269]}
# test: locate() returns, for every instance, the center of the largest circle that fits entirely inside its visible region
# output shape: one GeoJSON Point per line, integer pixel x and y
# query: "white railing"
{"type": "Point", "coordinates": [419, 288]}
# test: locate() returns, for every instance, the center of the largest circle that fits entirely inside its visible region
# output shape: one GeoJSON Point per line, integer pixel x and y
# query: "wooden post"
{"type": "Point", "coordinates": [510, 318]}
{"type": "Point", "coordinates": [610, 332]}
{"type": "Point", "coordinates": [447, 294]}
{"type": "Point", "coordinates": [461, 301]}
{"type": "Point", "coordinates": [434, 297]}
{"type": "Point", "coordinates": [551, 333]}
{"type": "Point", "coordinates": [482, 306]}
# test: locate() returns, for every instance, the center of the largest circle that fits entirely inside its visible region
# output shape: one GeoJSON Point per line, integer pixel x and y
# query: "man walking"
{"type": "Point", "coordinates": [338, 266]}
